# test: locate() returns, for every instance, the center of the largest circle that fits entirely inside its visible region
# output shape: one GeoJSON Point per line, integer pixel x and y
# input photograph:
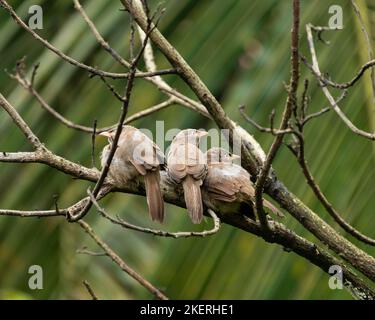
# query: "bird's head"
{"type": "Point", "coordinates": [220, 155]}
{"type": "Point", "coordinates": [109, 135]}
{"type": "Point", "coordinates": [190, 136]}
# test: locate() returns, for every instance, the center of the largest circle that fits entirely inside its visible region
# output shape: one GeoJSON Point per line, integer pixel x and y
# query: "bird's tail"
{"type": "Point", "coordinates": [153, 194]}
{"type": "Point", "coordinates": [193, 198]}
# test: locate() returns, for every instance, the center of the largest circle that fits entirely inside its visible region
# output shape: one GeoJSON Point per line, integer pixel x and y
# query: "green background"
{"type": "Point", "coordinates": [241, 51]}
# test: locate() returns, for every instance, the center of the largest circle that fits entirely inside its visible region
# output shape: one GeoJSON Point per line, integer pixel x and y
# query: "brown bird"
{"type": "Point", "coordinates": [135, 156]}
{"type": "Point", "coordinates": [230, 183]}
{"type": "Point", "coordinates": [187, 166]}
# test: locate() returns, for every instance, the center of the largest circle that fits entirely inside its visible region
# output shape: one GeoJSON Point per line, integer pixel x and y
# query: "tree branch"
{"type": "Point", "coordinates": [90, 290]}
{"type": "Point", "coordinates": [154, 232]}
{"type": "Point", "coordinates": [252, 155]}
{"type": "Point", "coordinates": [323, 200]}
{"type": "Point", "coordinates": [27, 85]}
{"type": "Point", "coordinates": [171, 194]}
{"type": "Point", "coordinates": [334, 105]}
{"type": "Point", "coordinates": [21, 124]}
{"type": "Point", "coordinates": [291, 100]}
{"type": "Point", "coordinates": [72, 61]}
{"type": "Point", "coordinates": [116, 259]}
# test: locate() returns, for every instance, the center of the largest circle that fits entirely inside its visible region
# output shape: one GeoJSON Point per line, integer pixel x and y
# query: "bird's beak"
{"type": "Point", "coordinates": [201, 133]}
{"type": "Point", "coordinates": [105, 134]}
{"type": "Point", "coordinates": [235, 157]}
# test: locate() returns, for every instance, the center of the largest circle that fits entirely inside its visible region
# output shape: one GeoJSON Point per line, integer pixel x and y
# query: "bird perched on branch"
{"type": "Point", "coordinates": [135, 156]}
{"type": "Point", "coordinates": [187, 166]}
{"type": "Point", "coordinates": [227, 182]}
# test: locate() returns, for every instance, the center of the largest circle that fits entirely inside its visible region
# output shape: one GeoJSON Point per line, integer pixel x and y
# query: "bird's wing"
{"type": "Point", "coordinates": [221, 185]}
{"type": "Point", "coordinates": [140, 151]}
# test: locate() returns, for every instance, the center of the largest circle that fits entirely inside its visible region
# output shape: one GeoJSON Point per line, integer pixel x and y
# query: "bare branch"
{"type": "Point", "coordinates": [306, 119]}
{"type": "Point", "coordinates": [323, 200]}
{"type": "Point", "coordinates": [90, 253]}
{"type": "Point", "coordinates": [27, 85]}
{"type": "Point", "coordinates": [72, 61]}
{"type": "Point", "coordinates": [345, 85]}
{"type": "Point", "coordinates": [303, 247]}
{"type": "Point", "coordinates": [46, 213]}
{"type": "Point", "coordinates": [291, 100]}
{"type": "Point", "coordinates": [259, 127]}
{"type": "Point", "coordinates": [121, 263]}
{"type": "Point", "coordinates": [150, 110]}
{"type": "Point", "coordinates": [252, 154]}
{"type": "Point", "coordinates": [99, 37]}
{"type": "Point", "coordinates": [281, 235]}
{"type": "Point", "coordinates": [154, 232]}
{"type": "Point", "coordinates": [90, 290]}
{"type": "Point", "coordinates": [360, 260]}
{"type": "Point", "coordinates": [334, 105]}
{"type": "Point", "coordinates": [21, 124]}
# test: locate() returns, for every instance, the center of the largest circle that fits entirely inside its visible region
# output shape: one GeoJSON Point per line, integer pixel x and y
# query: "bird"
{"type": "Point", "coordinates": [227, 182]}
{"type": "Point", "coordinates": [187, 166]}
{"type": "Point", "coordinates": [137, 156]}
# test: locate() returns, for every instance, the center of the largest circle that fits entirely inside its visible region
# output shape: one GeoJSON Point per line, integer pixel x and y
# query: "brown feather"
{"type": "Point", "coordinates": [193, 198]}
{"type": "Point", "coordinates": [154, 197]}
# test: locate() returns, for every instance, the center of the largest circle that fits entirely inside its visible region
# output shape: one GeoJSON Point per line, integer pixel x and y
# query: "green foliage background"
{"type": "Point", "coordinates": [240, 48]}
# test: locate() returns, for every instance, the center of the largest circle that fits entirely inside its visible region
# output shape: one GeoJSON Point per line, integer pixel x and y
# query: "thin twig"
{"type": "Point", "coordinates": [306, 119]}
{"type": "Point", "coordinates": [334, 105]}
{"type": "Point", "coordinates": [84, 250]}
{"type": "Point", "coordinates": [70, 124]}
{"type": "Point", "coordinates": [17, 119]}
{"type": "Point", "coordinates": [99, 37]}
{"type": "Point", "coordinates": [259, 127]}
{"type": "Point", "coordinates": [158, 81]}
{"type": "Point", "coordinates": [121, 263]}
{"type": "Point", "coordinates": [69, 59]}
{"type": "Point", "coordinates": [155, 232]}
{"type": "Point", "coordinates": [33, 74]}
{"type": "Point", "coordinates": [344, 85]}
{"type": "Point", "coordinates": [321, 197]}
{"type": "Point", "coordinates": [304, 103]}
{"type": "Point", "coordinates": [112, 89]}
{"type": "Point", "coordinates": [90, 290]}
